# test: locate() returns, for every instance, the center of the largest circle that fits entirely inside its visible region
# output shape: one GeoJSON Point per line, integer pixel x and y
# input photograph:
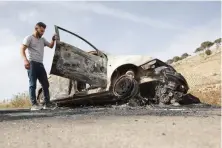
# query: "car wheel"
{"type": "Point", "coordinates": [125, 87]}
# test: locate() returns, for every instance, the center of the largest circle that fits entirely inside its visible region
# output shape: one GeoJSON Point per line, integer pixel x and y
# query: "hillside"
{"type": "Point", "coordinates": [203, 74]}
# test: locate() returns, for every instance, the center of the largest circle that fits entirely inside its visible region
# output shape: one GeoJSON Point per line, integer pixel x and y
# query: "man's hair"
{"type": "Point", "coordinates": [41, 24]}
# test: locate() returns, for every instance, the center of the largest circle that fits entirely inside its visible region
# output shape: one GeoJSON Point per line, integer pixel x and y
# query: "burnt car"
{"type": "Point", "coordinates": [77, 75]}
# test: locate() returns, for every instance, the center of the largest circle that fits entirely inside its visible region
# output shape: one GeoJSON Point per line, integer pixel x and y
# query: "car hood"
{"type": "Point", "coordinates": [136, 60]}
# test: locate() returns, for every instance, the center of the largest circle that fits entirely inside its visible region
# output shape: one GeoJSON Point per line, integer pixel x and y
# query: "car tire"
{"type": "Point", "coordinates": [131, 87]}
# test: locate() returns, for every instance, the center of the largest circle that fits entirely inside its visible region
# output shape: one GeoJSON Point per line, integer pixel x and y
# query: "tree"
{"type": "Point", "coordinates": [170, 61]}
{"type": "Point", "coordinates": [208, 52]}
{"type": "Point", "coordinates": [198, 49]}
{"type": "Point", "coordinates": [176, 58]}
{"type": "Point", "coordinates": [185, 55]}
{"type": "Point", "coordinates": [206, 44]}
{"type": "Point", "coordinates": [217, 42]}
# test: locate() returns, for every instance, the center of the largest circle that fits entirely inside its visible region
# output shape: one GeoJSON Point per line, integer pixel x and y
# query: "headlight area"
{"type": "Point", "coordinates": [148, 65]}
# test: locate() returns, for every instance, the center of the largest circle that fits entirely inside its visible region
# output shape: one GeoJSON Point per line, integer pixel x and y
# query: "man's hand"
{"type": "Point", "coordinates": [54, 37]}
{"type": "Point", "coordinates": [27, 64]}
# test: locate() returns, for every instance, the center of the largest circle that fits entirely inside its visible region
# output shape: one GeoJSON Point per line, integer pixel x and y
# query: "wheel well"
{"type": "Point", "coordinates": [122, 70]}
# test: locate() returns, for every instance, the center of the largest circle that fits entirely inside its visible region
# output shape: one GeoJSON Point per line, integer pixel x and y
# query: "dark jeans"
{"type": "Point", "coordinates": [37, 71]}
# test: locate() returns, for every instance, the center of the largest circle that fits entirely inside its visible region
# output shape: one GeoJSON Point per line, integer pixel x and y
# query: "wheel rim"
{"type": "Point", "coordinates": [125, 87]}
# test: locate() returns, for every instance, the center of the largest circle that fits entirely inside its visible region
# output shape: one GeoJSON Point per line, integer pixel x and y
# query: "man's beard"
{"type": "Point", "coordinates": [39, 35]}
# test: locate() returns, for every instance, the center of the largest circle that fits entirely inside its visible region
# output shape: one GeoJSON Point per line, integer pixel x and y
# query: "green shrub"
{"type": "Point", "coordinates": [170, 61]}
{"type": "Point", "coordinates": [176, 58]}
{"type": "Point", "coordinates": [185, 55]}
{"type": "Point", "coordinates": [208, 52]}
{"type": "Point", "coordinates": [198, 50]}
{"type": "Point", "coordinates": [217, 41]}
{"type": "Point", "coordinates": [206, 45]}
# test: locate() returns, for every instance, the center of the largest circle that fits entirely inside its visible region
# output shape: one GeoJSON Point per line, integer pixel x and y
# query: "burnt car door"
{"type": "Point", "coordinates": [76, 64]}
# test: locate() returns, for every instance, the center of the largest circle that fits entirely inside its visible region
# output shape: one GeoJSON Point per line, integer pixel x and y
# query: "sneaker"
{"type": "Point", "coordinates": [36, 107]}
{"type": "Point", "coordinates": [51, 106]}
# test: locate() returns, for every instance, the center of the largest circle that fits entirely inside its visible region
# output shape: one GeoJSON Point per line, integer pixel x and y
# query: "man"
{"type": "Point", "coordinates": [35, 44]}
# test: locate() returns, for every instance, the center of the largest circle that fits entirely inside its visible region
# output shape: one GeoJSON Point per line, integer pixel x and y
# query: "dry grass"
{"type": "Point", "coordinates": [18, 101]}
{"type": "Point", "coordinates": [210, 97]}
{"type": "Point", "coordinates": [203, 76]}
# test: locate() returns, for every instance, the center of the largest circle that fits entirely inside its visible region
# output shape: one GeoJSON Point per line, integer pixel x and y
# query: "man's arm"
{"type": "Point", "coordinates": [50, 45]}
{"type": "Point", "coordinates": [26, 42]}
{"type": "Point", "coordinates": [22, 52]}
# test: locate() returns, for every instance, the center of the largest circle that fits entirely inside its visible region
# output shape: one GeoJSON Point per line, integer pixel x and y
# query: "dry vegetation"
{"type": "Point", "coordinates": [18, 101]}
{"type": "Point", "coordinates": [203, 73]}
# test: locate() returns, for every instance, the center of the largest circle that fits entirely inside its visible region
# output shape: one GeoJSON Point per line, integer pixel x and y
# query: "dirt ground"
{"type": "Point", "coordinates": [203, 74]}
{"type": "Point", "coordinates": [112, 132]}
{"type": "Point", "coordinates": [116, 127]}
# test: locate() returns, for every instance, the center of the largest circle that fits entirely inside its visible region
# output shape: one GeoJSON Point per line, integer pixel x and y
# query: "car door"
{"type": "Point", "coordinates": [76, 64]}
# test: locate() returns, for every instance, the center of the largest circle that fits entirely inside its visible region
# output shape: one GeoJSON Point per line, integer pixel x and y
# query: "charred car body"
{"type": "Point", "coordinates": [77, 75]}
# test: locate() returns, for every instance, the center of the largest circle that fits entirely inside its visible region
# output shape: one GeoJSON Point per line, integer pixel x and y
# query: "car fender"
{"type": "Point", "coordinates": [116, 61]}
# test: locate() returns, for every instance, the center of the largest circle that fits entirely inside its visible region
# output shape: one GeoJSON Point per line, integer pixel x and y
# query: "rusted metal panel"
{"type": "Point", "coordinates": [73, 63]}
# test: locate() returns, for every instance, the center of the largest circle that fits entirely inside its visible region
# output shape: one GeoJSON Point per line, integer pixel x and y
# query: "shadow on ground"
{"type": "Point", "coordinates": [190, 99]}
